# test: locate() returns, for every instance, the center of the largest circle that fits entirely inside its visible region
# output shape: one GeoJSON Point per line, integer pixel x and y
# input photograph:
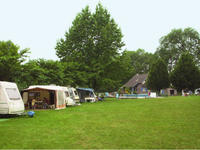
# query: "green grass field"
{"type": "Point", "coordinates": [172, 122]}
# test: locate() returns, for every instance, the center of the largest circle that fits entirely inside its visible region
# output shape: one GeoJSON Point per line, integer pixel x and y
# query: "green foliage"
{"type": "Point", "coordinates": [140, 60]}
{"type": "Point", "coordinates": [92, 44]}
{"type": "Point", "coordinates": [43, 72]}
{"type": "Point", "coordinates": [10, 60]}
{"type": "Point", "coordinates": [158, 77]}
{"type": "Point", "coordinates": [177, 42]}
{"type": "Point", "coordinates": [186, 74]}
{"type": "Point", "coordinates": [116, 74]}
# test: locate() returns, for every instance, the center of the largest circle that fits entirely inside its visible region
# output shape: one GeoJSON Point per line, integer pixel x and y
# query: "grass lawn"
{"type": "Point", "coordinates": [172, 122]}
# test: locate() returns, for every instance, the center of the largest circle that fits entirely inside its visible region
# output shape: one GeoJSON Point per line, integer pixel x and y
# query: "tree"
{"type": "Point", "coordinates": [92, 43]}
{"type": "Point", "coordinates": [158, 77]}
{"type": "Point", "coordinates": [32, 74]}
{"type": "Point", "coordinates": [116, 74]}
{"type": "Point", "coordinates": [177, 42]}
{"type": "Point", "coordinates": [186, 74]}
{"type": "Point", "coordinates": [45, 72]}
{"type": "Point", "coordinates": [11, 59]}
{"type": "Point", "coordinates": [140, 60]}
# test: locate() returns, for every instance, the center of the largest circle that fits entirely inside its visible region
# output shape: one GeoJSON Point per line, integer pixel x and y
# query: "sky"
{"type": "Point", "coordinates": [39, 24]}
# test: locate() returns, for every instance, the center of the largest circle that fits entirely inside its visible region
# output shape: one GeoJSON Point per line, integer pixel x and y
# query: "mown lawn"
{"type": "Point", "coordinates": [172, 122]}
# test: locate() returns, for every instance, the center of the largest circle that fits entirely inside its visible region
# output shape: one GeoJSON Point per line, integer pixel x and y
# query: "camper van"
{"type": "Point", "coordinates": [86, 95]}
{"type": "Point", "coordinates": [10, 99]}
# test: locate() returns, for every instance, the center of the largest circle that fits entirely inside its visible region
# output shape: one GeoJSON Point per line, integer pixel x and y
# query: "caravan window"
{"type": "Point", "coordinates": [75, 92]}
{"type": "Point", "coordinates": [71, 93]}
{"type": "Point", "coordinates": [13, 93]}
{"type": "Point", "coordinates": [66, 94]}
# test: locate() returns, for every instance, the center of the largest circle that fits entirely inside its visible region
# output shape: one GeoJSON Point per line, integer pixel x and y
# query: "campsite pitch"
{"type": "Point", "coordinates": [172, 122]}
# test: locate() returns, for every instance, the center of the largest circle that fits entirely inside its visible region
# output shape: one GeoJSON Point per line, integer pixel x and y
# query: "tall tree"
{"type": "Point", "coordinates": [93, 42]}
{"type": "Point", "coordinates": [177, 42]}
{"type": "Point", "coordinates": [11, 59]}
{"type": "Point", "coordinates": [140, 60]}
{"type": "Point", "coordinates": [158, 77]}
{"type": "Point", "coordinates": [116, 74]}
{"type": "Point", "coordinates": [186, 74]}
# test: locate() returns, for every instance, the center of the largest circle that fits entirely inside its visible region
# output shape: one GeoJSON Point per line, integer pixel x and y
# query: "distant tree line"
{"type": "Point", "coordinates": [91, 55]}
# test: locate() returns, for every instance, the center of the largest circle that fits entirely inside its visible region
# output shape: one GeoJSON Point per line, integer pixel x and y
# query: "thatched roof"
{"type": "Point", "coordinates": [136, 79]}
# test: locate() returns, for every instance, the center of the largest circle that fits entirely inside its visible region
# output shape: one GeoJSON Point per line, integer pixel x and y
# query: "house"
{"type": "Point", "coordinates": [137, 84]}
{"type": "Point", "coordinates": [168, 92]}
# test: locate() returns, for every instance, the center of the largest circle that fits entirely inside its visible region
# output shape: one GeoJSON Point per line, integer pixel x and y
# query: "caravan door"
{"type": "Point", "coordinates": [3, 101]}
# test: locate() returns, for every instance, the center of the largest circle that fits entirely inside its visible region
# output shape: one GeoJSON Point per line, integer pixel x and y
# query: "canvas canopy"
{"type": "Point", "coordinates": [55, 95]}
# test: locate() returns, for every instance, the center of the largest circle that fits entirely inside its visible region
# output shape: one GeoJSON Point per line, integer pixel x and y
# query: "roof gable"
{"type": "Point", "coordinates": [136, 79]}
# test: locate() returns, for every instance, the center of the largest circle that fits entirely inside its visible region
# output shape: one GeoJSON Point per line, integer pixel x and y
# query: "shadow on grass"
{"type": "Point", "coordinates": [9, 116]}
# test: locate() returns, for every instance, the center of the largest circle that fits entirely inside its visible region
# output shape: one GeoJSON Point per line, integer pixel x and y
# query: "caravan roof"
{"type": "Point", "coordinates": [7, 84]}
{"type": "Point", "coordinates": [46, 87]}
{"type": "Point", "coordinates": [86, 89]}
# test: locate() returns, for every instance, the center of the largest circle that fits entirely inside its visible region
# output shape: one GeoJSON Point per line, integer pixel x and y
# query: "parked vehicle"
{"type": "Point", "coordinates": [69, 101]}
{"type": "Point", "coordinates": [74, 94]}
{"type": "Point", "coordinates": [197, 91]}
{"type": "Point", "coordinates": [10, 99]}
{"type": "Point", "coordinates": [86, 95]}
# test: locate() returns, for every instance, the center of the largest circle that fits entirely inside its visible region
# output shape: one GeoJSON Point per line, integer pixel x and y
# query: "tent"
{"type": "Point", "coordinates": [10, 99]}
{"type": "Point", "coordinates": [54, 96]}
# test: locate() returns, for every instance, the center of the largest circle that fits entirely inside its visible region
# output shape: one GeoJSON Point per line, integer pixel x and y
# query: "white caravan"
{"type": "Point", "coordinates": [69, 101]}
{"type": "Point", "coordinates": [10, 99]}
{"type": "Point", "coordinates": [74, 94]}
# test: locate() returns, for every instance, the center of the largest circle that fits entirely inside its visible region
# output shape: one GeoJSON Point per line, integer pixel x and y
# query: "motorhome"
{"type": "Point", "coordinates": [86, 95]}
{"type": "Point", "coordinates": [10, 99]}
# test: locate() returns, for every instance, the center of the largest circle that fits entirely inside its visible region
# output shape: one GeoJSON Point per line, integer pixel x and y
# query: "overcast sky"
{"type": "Point", "coordinates": [38, 24]}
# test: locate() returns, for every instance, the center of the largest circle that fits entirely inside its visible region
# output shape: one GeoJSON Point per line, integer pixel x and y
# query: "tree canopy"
{"type": "Point", "coordinates": [140, 60]}
{"type": "Point", "coordinates": [186, 74]}
{"type": "Point", "coordinates": [93, 42]}
{"type": "Point", "coordinates": [158, 77]}
{"type": "Point", "coordinates": [11, 59]}
{"type": "Point", "coordinates": [177, 42]}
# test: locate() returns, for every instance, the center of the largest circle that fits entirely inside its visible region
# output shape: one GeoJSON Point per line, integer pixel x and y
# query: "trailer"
{"type": "Point", "coordinates": [10, 99]}
{"type": "Point", "coordinates": [74, 94]}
